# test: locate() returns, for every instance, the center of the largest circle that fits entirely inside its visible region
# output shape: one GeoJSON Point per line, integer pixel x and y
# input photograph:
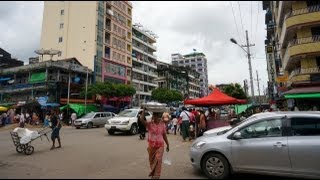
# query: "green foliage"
{"type": "Point", "coordinates": [235, 90]}
{"type": "Point", "coordinates": [165, 96]}
{"type": "Point", "coordinates": [109, 90]}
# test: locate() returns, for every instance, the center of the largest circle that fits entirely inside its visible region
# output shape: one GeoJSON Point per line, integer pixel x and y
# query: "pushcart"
{"type": "Point", "coordinates": [27, 148]}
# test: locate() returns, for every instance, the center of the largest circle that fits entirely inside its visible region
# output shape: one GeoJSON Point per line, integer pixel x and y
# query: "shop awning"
{"type": "Point", "coordinates": [37, 77]}
{"type": "Point", "coordinates": [80, 108]}
{"type": "Point", "coordinates": [242, 108]}
{"type": "Point", "coordinates": [3, 108]}
{"type": "Point", "coordinates": [304, 95]}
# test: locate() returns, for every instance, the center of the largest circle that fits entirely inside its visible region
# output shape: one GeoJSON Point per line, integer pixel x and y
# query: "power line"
{"type": "Point", "coordinates": [255, 36]}
{"type": "Point", "coordinates": [234, 18]}
{"type": "Point", "coordinates": [240, 17]}
{"type": "Point", "coordinates": [251, 20]}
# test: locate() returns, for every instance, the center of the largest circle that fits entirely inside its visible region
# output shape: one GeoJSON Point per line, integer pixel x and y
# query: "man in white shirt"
{"type": "Point", "coordinates": [185, 116]}
{"type": "Point", "coordinates": [22, 120]}
{"type": "Point", "coordinates": [73, 118]}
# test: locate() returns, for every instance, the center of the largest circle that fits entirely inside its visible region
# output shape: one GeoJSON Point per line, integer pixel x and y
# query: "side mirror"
{"type": "Point", "coordinates": [237, 135]}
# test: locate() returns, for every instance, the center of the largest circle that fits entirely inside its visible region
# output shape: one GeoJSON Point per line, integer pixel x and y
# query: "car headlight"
{"type": "Point", "coordinates": [125, 122]}
{"type": "Point", "coordinates": [199, 144]}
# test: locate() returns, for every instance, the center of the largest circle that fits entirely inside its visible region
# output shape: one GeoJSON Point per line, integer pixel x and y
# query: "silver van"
{"type": "Point", "coordinates": [272, 143]}
{"type": "Point", "coordinates": [91, 119]}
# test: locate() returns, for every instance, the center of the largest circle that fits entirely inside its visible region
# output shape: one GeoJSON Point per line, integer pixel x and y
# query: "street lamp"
{"type": "Point", "coordinates": [249, 59]}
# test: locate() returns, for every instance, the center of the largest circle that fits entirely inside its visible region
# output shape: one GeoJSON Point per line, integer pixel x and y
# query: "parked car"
{"type": "Point", "coordinates": [273, 143]}
{"type": "Point", "coordinates": [93, 119]}
{"type": "Point", "coordinates": [126, 121]}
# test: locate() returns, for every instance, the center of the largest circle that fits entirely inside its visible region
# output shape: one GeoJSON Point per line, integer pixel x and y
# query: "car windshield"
{"type": "Point", "coordinates": [224, 131]}
{"type": "Point", "coordinates": [128, 113]}
{"type": "Point", "coordinates": [89, 115]}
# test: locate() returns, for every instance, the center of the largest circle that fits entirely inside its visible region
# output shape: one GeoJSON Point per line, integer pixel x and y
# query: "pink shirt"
{"type": "Point", "coordinates": [155, 134]}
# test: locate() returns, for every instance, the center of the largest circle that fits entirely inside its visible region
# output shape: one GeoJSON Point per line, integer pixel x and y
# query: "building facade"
{"type": "Point", "coordinates": [45, 79]}
{"type": "Point", "coordinates": [293, 48]}
{"type": "Point", "coordinates": [182, 79]}
{"type": "Point", "coordinates": [144, 67]}
{"type": "Point", "coordinates": [197, 62]}
{"type": "Point", "coordinates": [6, 61]}
{"type": "Point", "coordinates": [97, 33]}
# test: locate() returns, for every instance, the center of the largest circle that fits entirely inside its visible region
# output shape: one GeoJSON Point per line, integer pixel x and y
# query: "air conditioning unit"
{"type": "Point", "coordinates": [110, 12]}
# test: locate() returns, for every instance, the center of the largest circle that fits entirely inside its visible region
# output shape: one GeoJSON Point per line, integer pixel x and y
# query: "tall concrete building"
{"type": "Point", "coordinates": [197, 62]}
{"type": "Point", "coordinates": [97, 33]}
{"type": "Point", "coordinates": [144, 63]}
{"type": "Point", "coordinates": [182, 79]}
{"type": "Point", "coordinates": [293, 50]}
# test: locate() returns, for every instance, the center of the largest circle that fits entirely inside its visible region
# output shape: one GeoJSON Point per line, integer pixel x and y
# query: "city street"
{"type": "Point", "coordinates": [92, 153]}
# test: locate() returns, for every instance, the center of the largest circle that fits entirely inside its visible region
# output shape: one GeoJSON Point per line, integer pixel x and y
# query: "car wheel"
{"type": "Point", "coordinates": [89, 125]}
{"type": "Point", "coordinates": [111, 132]}
{"type": "Point", "coordinates": [215, 166]}
{"type": "Point", "coordinates": [134, 129]}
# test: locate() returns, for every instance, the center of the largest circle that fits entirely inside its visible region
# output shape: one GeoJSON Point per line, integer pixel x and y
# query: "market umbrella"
{"type": "Point", "coordinates": [2, 108]}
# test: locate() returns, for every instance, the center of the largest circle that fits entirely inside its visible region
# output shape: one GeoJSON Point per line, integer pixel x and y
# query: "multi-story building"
{"type": "Point", "coordinates": [45, 79]}
{"type": "Point", "coordinates": [293, 42]}
{"type": "Point", "coordinates": [183, 79]}
{"type": "Point", "coordinates": [143, 64]}
{"type": "Point", "coordinates": [34, 60]}
{"type": "Point", "coordinates": [197, 62]}
{"type": "Point", "coordinates": [97, 33]}
{"type": "Point", "coordinates": [6, 61]}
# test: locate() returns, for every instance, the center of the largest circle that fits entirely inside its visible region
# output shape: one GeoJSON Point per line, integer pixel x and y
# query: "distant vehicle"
{"type": "Point", "coordinates": [126, 121]}
{"type": "Point", "coordinates": [93, 119]}
{"type": "Point", "coordinates": [272, 143]}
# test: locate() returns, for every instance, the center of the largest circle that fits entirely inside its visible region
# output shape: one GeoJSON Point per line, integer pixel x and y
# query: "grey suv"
{"type": "Point", "coordinates": [273, 143]}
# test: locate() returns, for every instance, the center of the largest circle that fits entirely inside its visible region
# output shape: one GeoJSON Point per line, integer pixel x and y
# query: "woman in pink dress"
{"type": "Point", "coordinates": [156, 137]}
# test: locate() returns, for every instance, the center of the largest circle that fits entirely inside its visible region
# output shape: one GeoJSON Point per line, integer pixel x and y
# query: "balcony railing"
{"type": "Point", "coordinates": [304, 71]}
{"type": "Point", "coordinates": [306, 10]}
{"type": "Point", "coordinates": [296, 42]}
{"type": "Point", "coordinates": [306, 40]}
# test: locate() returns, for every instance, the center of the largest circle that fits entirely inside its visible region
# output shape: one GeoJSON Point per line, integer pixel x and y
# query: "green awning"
{"type": "Point", "coordinates": [80, 108]}
{"type": "Point", "coordinates": [241, 108]}
{"type": "Point", "coordinates": [37, 77]}
{"type": "Point", "coordinates": [299, 96]}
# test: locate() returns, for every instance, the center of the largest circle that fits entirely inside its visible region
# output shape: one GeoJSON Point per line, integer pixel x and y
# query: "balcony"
{"type": "Point", "coordinates": [145, 43]}
{"type": "Point", "coordinates": [302, 46]}
{"type": "Point", "coordinates": [304, 71]}
{"type": "Point", "coordinates": [299, 17]}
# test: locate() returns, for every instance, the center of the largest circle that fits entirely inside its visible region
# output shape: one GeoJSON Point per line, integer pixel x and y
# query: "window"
{"type": "Point", "coordinates": [187, 61]}
{"type": "Point", "coordinates": [267, 128]}
{"type": "Point", "coordinates": [60, 39]}
{"type": "Point", "coordinates": [61, 25]}
{"type": "Point", "coordinates": [305, 126]}
{"type": "Point", "coordinates": [62, 12]}
{"type": "Point", "coordinates": [198, 60]}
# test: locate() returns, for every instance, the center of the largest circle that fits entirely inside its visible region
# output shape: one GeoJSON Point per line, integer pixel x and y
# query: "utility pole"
{"type": "Point", "coordinates": [85, 100]}
{"type": "Point", "coordinates": [249, 62]}
{"type": "Point", "coordinates": [258, 86]}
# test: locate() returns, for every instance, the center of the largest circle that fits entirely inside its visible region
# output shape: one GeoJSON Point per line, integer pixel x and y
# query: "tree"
{"type": "Point", "coordinates": [165, 96]}
{"type": "Point", "coordinates": [235, 90]}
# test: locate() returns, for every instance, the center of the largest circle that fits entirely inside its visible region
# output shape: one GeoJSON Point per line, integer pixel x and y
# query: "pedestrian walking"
{"type": "Point", "coordinates": [175, 123]}
{"type": "Point", "coordinates": [22, 120]}
{"type": "Point", "coordinates": [156, 138]}
{"type": "Point", "coordinates": [185, 116]}
{"type": "Point", "coordinates": [73, 118]}
{"type": "Point", "coordinates": [142, 128]}
{"type": "Point", "coordinates": [56, 126]}
{"type": "Point", "coordinates": [202, 123]}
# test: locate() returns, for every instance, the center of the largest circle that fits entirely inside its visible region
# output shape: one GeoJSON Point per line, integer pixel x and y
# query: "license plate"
{"type": "Point", "coordinates": [113, 127]}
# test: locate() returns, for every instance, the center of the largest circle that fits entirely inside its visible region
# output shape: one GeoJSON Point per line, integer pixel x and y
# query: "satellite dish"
{"type": "Point", "coordinates": [40, 51]}
{"type": "Point", "coordinates": [53, 52]}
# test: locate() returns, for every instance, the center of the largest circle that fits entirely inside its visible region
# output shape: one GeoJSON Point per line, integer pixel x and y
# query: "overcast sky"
{"type": "Point", "coordinates": [181, 27]}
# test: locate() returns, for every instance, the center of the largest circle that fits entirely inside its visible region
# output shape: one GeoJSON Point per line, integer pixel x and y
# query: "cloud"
{"type": "Point", "coordinates": [22, 28]}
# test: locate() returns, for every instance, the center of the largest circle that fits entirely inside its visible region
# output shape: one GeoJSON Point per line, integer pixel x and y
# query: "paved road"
{"type": "Point", "coordinates": [92, 153]}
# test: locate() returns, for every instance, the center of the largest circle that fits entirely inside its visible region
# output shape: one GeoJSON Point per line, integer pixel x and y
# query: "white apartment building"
{"type": "Point", "coordinates": [97, 33]}
{"type": "Point", "coordinates": [144, 67]}
{"type": "Point", "coordinates": [196, 61]}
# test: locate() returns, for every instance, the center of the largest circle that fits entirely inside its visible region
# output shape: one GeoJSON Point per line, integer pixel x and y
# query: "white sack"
{"type": "Point", "coordinates": [26, 135]}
